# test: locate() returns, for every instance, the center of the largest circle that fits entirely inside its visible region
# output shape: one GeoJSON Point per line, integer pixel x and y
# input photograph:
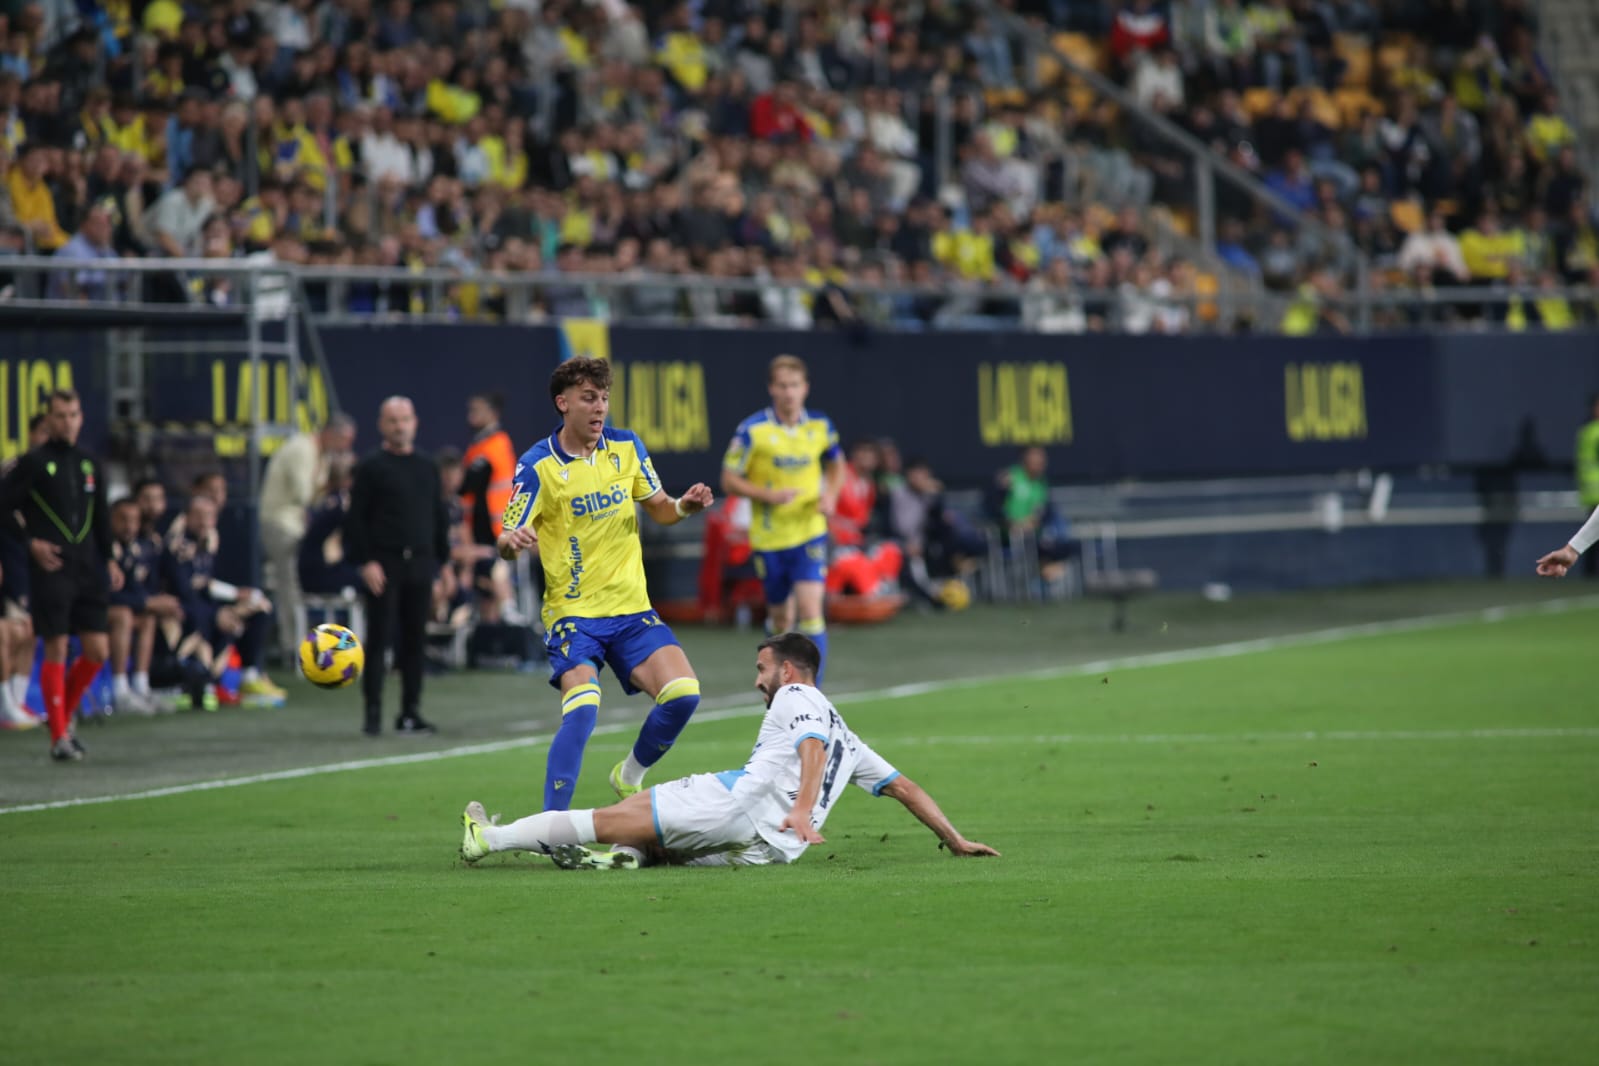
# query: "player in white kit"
{"type": "Point", "coordinates": [1557, 562]}
{"type": "Point", "coordinates": [768, 812]}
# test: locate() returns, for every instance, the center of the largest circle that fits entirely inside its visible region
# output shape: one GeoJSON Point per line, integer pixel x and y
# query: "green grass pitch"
{"type": "Point", "coordinates": [1381, 849]}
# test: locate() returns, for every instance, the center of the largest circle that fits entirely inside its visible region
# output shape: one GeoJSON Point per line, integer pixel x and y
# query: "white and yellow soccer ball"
{"type": "Point", "coordinates": [954, 595]}
{"type": "Point", "coordinates": [331, 656]}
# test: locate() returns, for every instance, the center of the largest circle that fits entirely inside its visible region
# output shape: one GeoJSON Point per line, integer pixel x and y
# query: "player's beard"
{"type": "Point", "coordinates": [767, 694]}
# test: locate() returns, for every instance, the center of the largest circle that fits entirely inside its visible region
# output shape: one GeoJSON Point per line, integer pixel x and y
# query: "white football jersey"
{"type": "Point", "coordinates": [769, 783]}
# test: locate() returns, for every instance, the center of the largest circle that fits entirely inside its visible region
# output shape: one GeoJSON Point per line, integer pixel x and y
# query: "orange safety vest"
{"type": "Point", "coordinates": [501, 456]}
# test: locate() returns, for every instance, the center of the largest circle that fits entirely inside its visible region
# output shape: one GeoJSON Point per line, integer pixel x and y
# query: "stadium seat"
{"type": "Point", "coordinates": [452, 639]}
{"type": "Point", "coordinates": [1354, 105]}
{"type": "Point", "coordinates": [1391, 55]}
{"type": "Point", "coordinates": [1080, 49]}
{"type": "Point", "coordinates": [1406, 215]}
{"type": "Point", "coordinates": [1120, 587]}
{"type": "Point", "coordinates": [1324, 108]}
{"type": "Point", "coordinates": [1259, 102]}
{"type": "Point", "coordinates": [1207, 284]}
{"type": "Point", "coordinates": [345, 610]}
{"type": "Point", "coordinates": [1356, 54]}
{"type": "Point", "coordinates": [1081, 97]}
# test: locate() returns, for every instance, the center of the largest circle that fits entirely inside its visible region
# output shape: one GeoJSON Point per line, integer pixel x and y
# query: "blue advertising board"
{"type": "Point", "coordinates": [1104, 407]}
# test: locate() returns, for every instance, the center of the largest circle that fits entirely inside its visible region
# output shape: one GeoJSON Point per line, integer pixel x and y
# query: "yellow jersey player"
{"type": "Point", "coordinates": [777, 460]}
{"type": "Point", "coordinates": [572, 498]}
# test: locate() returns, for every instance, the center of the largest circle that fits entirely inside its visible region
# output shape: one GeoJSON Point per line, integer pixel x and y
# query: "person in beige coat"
{"type": "Point", "coordinates": [294, 475]}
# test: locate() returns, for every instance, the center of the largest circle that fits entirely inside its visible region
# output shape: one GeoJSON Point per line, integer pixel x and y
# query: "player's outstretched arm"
{"type": "Point", "coordinates": [1557, 562]}
{"type": "Point", "coordinates": [668, 511]}
{"type": "Point", "coordinates": [919, 803]}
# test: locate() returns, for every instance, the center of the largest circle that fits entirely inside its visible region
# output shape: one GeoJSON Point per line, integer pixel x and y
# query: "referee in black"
{"type": "Point", "coordinates": [398, 533]}
{"type": "Point", "coordinates": [59, 491]}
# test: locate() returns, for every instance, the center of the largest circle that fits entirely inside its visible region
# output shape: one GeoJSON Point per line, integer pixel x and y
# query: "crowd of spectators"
{"type": "Point", "coordinates": [1428, 134]}
{"type": "Point", "coordinates": [798, 154]}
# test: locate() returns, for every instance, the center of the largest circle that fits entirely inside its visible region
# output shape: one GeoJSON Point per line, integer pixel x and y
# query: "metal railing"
{"type": "Point", "coordinates": [342, 295]}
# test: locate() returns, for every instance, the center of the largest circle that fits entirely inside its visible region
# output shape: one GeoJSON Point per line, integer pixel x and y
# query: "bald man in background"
{"type": "Point", "coordinates": [398, 533]}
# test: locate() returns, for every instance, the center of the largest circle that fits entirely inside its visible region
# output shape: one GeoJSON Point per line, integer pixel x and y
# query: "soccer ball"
{"type": "Point", "coordinates": [955, 595]}
{"type": "Point", "coordinates": [331, 656]}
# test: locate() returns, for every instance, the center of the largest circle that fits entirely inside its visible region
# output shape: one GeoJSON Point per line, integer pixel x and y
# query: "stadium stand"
{"type": "Point", "coordinates": [802, 155]}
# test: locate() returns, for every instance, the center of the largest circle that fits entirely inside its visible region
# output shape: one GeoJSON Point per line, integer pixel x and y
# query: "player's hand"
{"type": "Point", "coordinates": [115, 573]}
{"type": "Point", "coordinates": [961, 846]}
{"type": "Point", "coordinates": [827, 505]}
{"type": "Point", "coordinates": [697, 498]}
{"type": "Point", "coordinates": [1556, 563]}
{"type": "Point", "coordinates": [46, 554]}
{"type": "Point", "coordinates": [372, 574]}
{"type": "Point", "coordinates": [778, 497]}
{"type": "Point", "coordinates": [798, 822]}
{"type": "Point", "coordinates": [520, 540]}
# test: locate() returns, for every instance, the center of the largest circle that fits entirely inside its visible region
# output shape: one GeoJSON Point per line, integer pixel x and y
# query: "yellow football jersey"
{"type": "Point", "coordinates": [776, 456]}
{"type": "Point", "coordinates": [583, 513]}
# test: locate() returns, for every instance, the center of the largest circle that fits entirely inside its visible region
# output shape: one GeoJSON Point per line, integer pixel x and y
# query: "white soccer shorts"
{"type": "Point", "coordinates": [696, 817]}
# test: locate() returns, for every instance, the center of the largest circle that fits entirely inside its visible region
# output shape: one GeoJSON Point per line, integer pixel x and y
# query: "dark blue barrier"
{"type": "Point", "coordinates": [1104, 407]}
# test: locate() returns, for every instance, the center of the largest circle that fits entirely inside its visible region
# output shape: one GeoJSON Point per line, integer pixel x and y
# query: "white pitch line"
{"type": "Point", "coordinates": [726, 709]}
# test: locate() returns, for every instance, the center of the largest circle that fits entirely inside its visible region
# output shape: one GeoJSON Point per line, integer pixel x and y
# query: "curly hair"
{"type": "Point", "coordinates": [580, 370]}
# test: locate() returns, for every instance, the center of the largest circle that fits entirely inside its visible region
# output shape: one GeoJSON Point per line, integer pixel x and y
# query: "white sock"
{"type": "Point", "coordinates": [19, 688]}
{"type": "Point", "coordinates": [251, 673]}
{"type": "Point", "coordinates": [633, 772]}
{"type": "Point", "coordinates": [141, 684]}
{"type": "Point", "coordinates": [120, 689]}
{"type": "Point", "coordinates": [539, 832]}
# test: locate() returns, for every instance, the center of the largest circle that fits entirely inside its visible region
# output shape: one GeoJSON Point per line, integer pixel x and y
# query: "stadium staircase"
{"type": "Point", "coordinates": [1082, 60]}
{"type": "Point", "coordinates": [1568, 35]}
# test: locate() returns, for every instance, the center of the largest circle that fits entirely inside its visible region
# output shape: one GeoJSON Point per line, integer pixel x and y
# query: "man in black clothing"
{"type": "Point", "coordinates": [398, 533]}
{"type": "Point", "coordinates": [60, 494]}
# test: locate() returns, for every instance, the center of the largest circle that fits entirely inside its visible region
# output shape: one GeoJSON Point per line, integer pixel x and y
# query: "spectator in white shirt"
{"type": "Point", "coordinates": [385, 158]}
{"type": "Point", "coordinates": [1435, 251]}
{"type": "Point", "coordinates": [178, 217]}
{"type": "Point", "coordinates": [892, 137]}
{"type": "Point", "coordinates": [1158, 75]}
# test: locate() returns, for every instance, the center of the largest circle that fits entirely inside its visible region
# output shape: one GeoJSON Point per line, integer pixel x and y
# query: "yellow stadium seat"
{"type": "Point", "coordinates": [1047, 70]}
{"type": "Point", "coordinates": [1406, 215]}
{"type": "Point", "coordinates": [1355, 104]}
{"type": "Point", "coordinates": [1082, 98]}
{"type": "Point", "coordinates": [995, 98]}
{"type": "Point", "coordinates": [1356, 54]}
{"type": "Point", "coordinates": [1391, 55]}
{"type": "Point", "coordinates": [1322, 107]}
{"type": "Point", "coordinates": [1259, 102]}
{"type": "Point", "coordinates": [1206, 285]}
{"type": "Point", "coordinates": [1080, 49]}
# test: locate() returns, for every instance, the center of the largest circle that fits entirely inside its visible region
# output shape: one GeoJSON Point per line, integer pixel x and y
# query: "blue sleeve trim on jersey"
{"type": "Point", "coordinates": [833, 451]}
{"type": "Point", "coordinates": [877, 789]}
{"type": "Point", "coordinates": [743, 442]}
{"type": "Point", "coordinates": [655, 816]}
{"type": "Point", "coordinates": [810, 736]}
